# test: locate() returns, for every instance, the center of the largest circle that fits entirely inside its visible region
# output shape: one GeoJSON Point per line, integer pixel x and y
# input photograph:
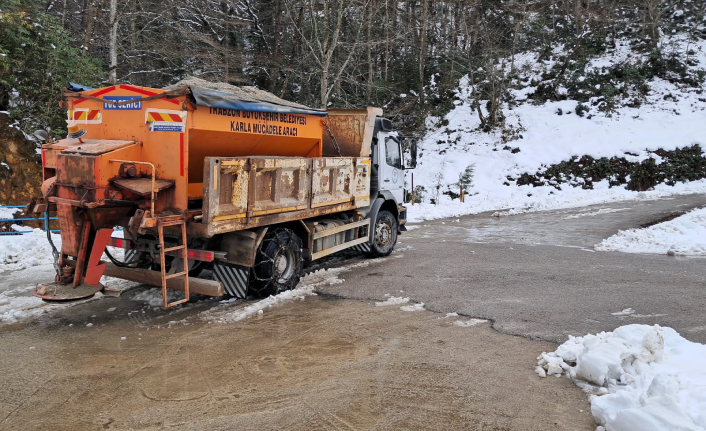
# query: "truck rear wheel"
{"type": "Point", "coordinates": [278, 264]}
{"type": "Point", "coordinates": [384, 234]}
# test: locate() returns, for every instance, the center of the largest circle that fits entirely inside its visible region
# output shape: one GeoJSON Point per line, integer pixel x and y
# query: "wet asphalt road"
{"type": "Point", "coordinates": [537, 275]}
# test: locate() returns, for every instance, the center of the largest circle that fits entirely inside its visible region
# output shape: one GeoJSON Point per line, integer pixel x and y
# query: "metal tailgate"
{"type": "Point", "coordinates": [239, 190]}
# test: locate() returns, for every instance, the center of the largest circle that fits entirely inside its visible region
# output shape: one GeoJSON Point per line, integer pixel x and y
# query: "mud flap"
{"type": "Point", "coordinates": [363, 248]}
{"type": "Point", "coordinates": [234, 278]}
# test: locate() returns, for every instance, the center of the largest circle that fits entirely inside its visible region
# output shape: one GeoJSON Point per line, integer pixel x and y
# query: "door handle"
{"type": "Point", "coordinates": [387, 181]}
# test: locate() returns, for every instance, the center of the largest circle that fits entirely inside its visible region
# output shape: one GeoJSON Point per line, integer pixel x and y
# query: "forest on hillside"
{"type": "Point", "coordinates": [405, 56]}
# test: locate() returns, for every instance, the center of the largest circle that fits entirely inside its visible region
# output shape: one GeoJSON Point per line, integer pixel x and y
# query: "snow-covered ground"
{"type": "Point", "coordinates": [682, 236]}
{"type": "Point", "coordinates": [671, 117]}
{"type": "Point", "coordinates": [640, 377]}
{"type": "Point", "coordinates": [26, 251]}
{"type": "Point", "coordinates": [392, 301]}
{"type": "Point", "coordinates": [7, 213]}
{"type": "Point", "coordinates": [26, 260]}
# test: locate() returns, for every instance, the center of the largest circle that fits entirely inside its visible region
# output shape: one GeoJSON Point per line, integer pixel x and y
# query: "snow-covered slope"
{"type": "Point", "coordinates": [671, 116]}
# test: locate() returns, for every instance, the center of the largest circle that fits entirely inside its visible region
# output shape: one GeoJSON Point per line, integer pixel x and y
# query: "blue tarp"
{"type": "Point", "coordinates": [217, 99]}
{"type": "Point", "coordinates": [77, 87]}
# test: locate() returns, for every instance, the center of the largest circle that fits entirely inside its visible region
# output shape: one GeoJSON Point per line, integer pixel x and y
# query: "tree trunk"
{"type": "Point", "coordinates": [87, 21]}
{"type": "Point", "coordinates": [324, 82]}
{"type": "Point", "coordinates": [277, 57]}
{"type": "Point", "coordinates": [63, 14]}
{"type": "Point", "coordinates": [387, 37]}
{"type": "Point", "coordinates": [422, 48]}
{"type": "Point", "coordinates": [368, 49]}
{"type": "Point", "coordinates": [113, 43]}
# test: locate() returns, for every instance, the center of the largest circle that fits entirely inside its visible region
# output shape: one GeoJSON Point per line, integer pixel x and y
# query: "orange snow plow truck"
{"type": "Point", "coordinates": [219, 190]}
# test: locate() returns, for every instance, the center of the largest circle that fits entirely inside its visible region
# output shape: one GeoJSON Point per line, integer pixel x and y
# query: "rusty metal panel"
{"type": "Point", "coordinates": [224, 226]}
{"type": "Point", "coordinates": [97, 146]}
{"type": "Point", "coordinates": [143, 186]}
{"type": "Point", "coordinates": [340, 179]}
{"type": "Point", "coordinates": [353, 130]}
{"type": "Point", "coordinates": [280, 185]}
{"type": "Point", "coordinates": [244, 193]}
{"type": "Point", "coordinates": [226, 185]}
{"type": "Point", "coordinates": [362, 182]}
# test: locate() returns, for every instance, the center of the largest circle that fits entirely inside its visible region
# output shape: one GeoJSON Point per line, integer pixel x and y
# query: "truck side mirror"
{"type": "Point", "coordinates": [413, 153]}
{"type": "Point", "coordinates": [42, 135]}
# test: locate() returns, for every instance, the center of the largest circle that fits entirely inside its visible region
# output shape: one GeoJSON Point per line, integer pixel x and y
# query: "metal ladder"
{"type": "Point", "coordinates": [161, 224]}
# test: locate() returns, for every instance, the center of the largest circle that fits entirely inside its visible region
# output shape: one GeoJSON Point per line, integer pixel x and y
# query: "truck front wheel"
{"type": "Point", "coordinates": [278, 264]}
{"type": "Point", "coordinates": [384, 234]}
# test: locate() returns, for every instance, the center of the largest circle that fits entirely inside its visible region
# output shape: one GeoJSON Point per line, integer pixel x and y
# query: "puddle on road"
{"type": "Point", "coordinates": [313, 364]}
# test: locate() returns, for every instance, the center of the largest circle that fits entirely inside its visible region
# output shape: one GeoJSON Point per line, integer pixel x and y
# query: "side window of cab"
{"type": "Point", "coordinates": [392, 153]}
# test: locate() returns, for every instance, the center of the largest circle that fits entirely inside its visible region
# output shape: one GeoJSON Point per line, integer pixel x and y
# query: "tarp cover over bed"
{"type": "Point", "coordinates": [247, 98]}
{"type": "Point", "coordinates": [220, 95]}
{"type": "Point", "coordinates": [216, 99]}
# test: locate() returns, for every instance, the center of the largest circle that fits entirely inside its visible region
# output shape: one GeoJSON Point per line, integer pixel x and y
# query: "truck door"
{"type": "Point", "coordinates": [390, 166]}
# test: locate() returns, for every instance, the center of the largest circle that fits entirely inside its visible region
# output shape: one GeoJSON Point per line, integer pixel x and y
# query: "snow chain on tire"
{"type": "Point", "coordinates": [278, 263]}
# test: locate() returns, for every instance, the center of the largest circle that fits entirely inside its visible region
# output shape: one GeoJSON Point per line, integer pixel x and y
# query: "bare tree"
{"type": "Point", "coordinates": [323, 38]}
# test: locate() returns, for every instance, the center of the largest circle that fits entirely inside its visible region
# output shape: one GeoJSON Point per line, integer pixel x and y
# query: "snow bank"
{"type": "Point", "coordinates": [393, 300]}
{"type": "Point", "coordinates": [683, 236]}
{"type": "Point", "coordinates": [414, 307]}
{"type": "Point", "coordinates": [8, 213]}
{"type": "Point", "coordinates": [225, 313]}
{"type": "Point", "coordinates": [32, 249]}
{"type": "Point", "coordinates": [470, 322]}
{"type": "Point", "coordinates": [641, 377]}
{"type": "Point", "coordinates": [17, 305]}
{"type": "Point", "coordinates": [27, 250]}
{"type": "Point", "coordinates": [153, 296]}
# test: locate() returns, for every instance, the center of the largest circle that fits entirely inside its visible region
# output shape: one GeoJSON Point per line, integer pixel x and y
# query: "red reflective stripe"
{"type": "Point", "coordinates": [96, 94]}
{"type": "Point", "coordinates": [137, 90]}
{"type": "Point", "coordinates": [181, 153]}
{"type": "Point", "coordinates": [175, 117]}
{"type": "Point", "coordinates": [157, 116]}
{"type": "Point", "coordinates": [145, 92]}
{"type": "Point", "coordinates": [77, 115]}
{"type": "Point", "coordinates": [103, 91]}
{"type": "Point", "coordinates": [92, 114]}
{"type": "Point", "coordinates": [120, 243]}
{"type": "Point", "coordinates": [206, 256]}
{"type": "Point", "coordinates": [44, 159]}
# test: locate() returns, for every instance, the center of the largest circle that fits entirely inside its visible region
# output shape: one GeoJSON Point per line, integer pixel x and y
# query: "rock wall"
{"type": "Point", "coordinates": [20, 166]}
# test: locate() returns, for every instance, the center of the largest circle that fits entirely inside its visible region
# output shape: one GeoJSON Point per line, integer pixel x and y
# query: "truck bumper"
{"type": "Point", "coordinates": [401, 218]}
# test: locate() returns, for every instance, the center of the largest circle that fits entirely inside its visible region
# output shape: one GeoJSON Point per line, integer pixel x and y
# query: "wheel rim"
{"type": "Point", "coordinates": [284, 265]}
{"type": "Point", "coordinates": [383, 233]}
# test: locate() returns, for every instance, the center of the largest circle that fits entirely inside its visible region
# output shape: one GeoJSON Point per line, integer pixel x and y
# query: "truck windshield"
{"type": "Point", "coordinates": [392, 153]}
